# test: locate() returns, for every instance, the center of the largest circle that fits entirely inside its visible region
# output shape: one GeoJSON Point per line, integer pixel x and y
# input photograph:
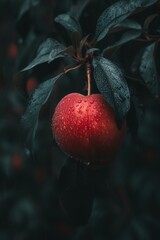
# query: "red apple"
{"type": "Point", "coordinates": [85, 128]}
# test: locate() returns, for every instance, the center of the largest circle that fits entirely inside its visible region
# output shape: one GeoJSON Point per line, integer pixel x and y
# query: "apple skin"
{"type": "Point", "coordinates": [84, 127]}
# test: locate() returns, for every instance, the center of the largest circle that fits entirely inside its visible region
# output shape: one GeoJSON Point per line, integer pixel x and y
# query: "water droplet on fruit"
{"type": "Point", "coordinates": [97, 119]}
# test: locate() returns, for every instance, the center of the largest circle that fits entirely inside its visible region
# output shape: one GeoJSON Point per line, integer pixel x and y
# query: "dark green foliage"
{"type": "Point", "coordinates": [148, 69]}
{"type": "Point", "coordinates": [47, 52]}
{"type": "Point", "coordinates": [37, 100]}
{"type": "Point", "coordinates": [68, 22]}
{"type": "Point", "coordinates": [49, 196]}
{"type": "Point", "coordinates": [115, 14]}
{"type": "Point", "coordinates": [111, 84]}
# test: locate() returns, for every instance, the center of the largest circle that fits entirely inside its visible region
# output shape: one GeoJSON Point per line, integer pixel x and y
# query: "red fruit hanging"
{"type": "Point", "coordinates": [85, 128]}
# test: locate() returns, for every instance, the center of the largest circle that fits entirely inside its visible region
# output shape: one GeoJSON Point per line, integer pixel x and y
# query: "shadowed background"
{"type": "Point", "coordinates": [46, 195]}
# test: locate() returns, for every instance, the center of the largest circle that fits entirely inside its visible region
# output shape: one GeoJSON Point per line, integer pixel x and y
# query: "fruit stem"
{"type": "Point", "coordinates": [88, 70]}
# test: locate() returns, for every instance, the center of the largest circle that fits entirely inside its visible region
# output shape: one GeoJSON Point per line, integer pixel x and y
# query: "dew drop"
{"type": "Point", "coordinates": [97, 119]}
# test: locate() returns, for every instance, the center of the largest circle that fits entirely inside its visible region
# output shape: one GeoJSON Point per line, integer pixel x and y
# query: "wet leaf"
{"type": "Point", "coordinates": [37, 100]}
{"type": "Point", "coordinates": [115, 14]}
{"type": "Point", "coordinates": [48, 51]}
{"type": "Point", "coordinates": [125, 38]}
{"type": "Point", "coordinates": [68, 22]}
{"type": "Point", "coordinates": [112, 85]}
{"type": "Point", "coordinates": [148, 69]}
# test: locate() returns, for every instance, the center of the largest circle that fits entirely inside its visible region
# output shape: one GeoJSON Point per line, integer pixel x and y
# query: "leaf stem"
{"type": "Point", "coordinates": [73, 68]}
{"type": "Point", "coordinates": [88, 70]}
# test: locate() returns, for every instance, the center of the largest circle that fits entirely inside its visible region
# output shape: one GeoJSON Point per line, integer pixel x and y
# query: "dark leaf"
{"type": "Point", "coordinates": [130, 23]}
{"type": "Point", "coordinates": [148, 69]}
{"type": "Point", "coordinates": [48, 51]}
{"type": "Point", "coordinates": [75, 191]}
{"type": "Point", "coordinates": [68, 22]}
{"type": "Point", "coordinates": [26, 5]}
{"type": "Point", "coordinates": [92, 50]}
{"type": "Point", "coordinates": [125, 38]}
{"type": "Point", "coordinates": [136, 61]}
{"type": "Point", "coordinates": [37, 100]}
{"type": "Point", "coordinates": [69, 50]}
{"type": "Point", "coordinates": [112, 85]}
{"type": "Point", "coordinates": [115, 14]}
{"type": "Point", "coordinates": [149, 20]}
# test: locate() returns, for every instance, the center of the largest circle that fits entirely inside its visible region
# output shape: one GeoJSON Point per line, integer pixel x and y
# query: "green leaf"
{"type": "Point", "coordinates": [148, 69]}
{"type": "Point", "coordinates": [116, 13]}
{"type": "Point", "coordinates": [37, 100]}
{"type": "Point", "coordinates": [130, 23]}
{"type": "Point", "coordinates": [68, 22]}
{"type": "Point", "coordinates": [112, 85]}
{"type": "Point", "coordinates": [125, 38]}
{"type": "Point", "coordinates": [48, 51]}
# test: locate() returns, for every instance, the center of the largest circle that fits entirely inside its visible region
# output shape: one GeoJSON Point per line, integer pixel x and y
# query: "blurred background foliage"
{"type": "Point", "coordinates": [44, 195]}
